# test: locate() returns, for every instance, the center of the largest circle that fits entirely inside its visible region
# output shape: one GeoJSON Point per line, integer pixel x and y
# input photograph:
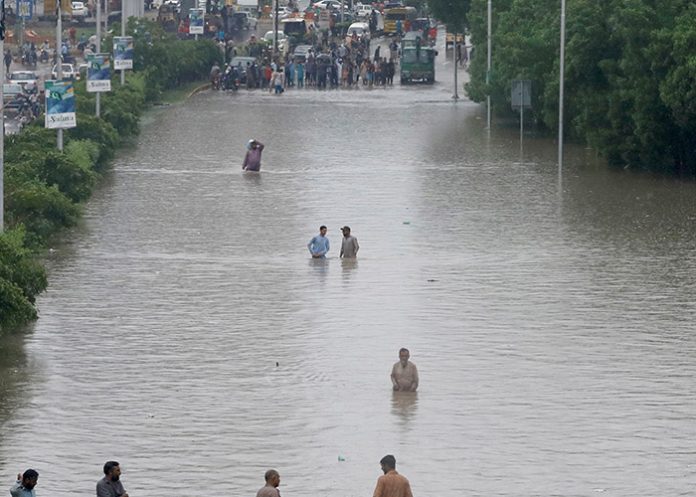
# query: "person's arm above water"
{"type": "Point", "coordinates": [395, 384]}
{"type": "Point", "coordinates": [414, 384]}
{"type": "Point", "coordinates": [357, 247]}
{"type": "Point", "coordinates": [246, 161]}
{"type": "Point", "coordinates": [310, 246]}
{"type": "Point", "coordinates": [17, 487]}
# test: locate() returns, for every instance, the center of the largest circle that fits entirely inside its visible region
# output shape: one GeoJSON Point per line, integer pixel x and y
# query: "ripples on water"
{"type": "Point", "coordinates": [553, 331]}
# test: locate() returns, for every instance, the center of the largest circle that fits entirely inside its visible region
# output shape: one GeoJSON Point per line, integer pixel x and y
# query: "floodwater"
{"type": "Point", "coordinates": [187, 333]}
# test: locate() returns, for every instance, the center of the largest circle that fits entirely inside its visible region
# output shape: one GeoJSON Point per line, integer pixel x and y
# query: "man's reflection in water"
{"type": "Point", "coordinates": [319, 266]}
{"type": "Point", "coordinates": [404, 405]}
{"type": "Point", "coordinates": [348, 266]}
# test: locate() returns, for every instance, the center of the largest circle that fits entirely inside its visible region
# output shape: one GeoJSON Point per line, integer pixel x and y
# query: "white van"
{"type": "Point", "coordinates": [359, 29]}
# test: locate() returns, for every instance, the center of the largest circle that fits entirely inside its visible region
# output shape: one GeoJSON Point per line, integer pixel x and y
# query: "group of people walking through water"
{"type": "Point", "coordinates": [404, 377]}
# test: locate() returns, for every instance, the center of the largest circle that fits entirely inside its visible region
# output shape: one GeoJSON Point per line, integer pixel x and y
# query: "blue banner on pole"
{"type": "Point", "coordinates": [25, 9]}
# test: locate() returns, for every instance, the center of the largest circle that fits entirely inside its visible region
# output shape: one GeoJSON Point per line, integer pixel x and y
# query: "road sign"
{"type": "Point", "coordinates": [521, 93]}
{"type": "Point", "coordinates": [25, 9]}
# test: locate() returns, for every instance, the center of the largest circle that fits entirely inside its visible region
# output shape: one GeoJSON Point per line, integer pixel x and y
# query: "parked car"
{"type": "Point", "coordinates": [358, 29]}
{"type": "Point", "coordinates": [244, 20]}
{"type": "Point", "coordinates": [10, 91]}
{"type": "Point", "coordinates": [363, 11]}
{"type": "Point", "coordinates": [79, 11]}
{"type": "Point", "coordinates": [68, 72]}
{"type": "Point", "coordinates": [328, 4]}
{"type": "Point", "coordinates": [114, 16]}
{"type": "Point", "coordinates": [282, 41]}
{"type": "Point", "coordinates": [300, 53]}
{"type": "Point", "coordinates": [23, 77]}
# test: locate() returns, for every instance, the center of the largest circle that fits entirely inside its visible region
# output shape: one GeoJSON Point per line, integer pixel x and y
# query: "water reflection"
{"type": "Point", "coordinates": [348, 266]}
{"type": "Point", "coordinates": [404, 405]}
{"type": "Point", "coordinates": [319, 266]}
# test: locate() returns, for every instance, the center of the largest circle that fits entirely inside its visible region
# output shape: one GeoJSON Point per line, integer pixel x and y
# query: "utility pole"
{"type": "Point", "coordinates": [123, 33]}
{"type": "Point", "coordinates": [98, 102]}
{"type": "Point", "coordinates": [488, 70]}
{"type": "Point", "coordinates": [275, 28]}
{"type": "Point", "coordinates": [59, 62]}
{"type": "Point", "coordinates": [455, 97]}
{"type": "Point", "coordinates": [561, 82]}
{"type": "Point", "coordinates": [106, 16]}
{"type": "Point", "coordinates": [2, 118]}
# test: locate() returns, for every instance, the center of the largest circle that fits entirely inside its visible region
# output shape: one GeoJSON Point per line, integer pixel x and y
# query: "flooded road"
{"type": "Point", "coordinates": [187, 334]}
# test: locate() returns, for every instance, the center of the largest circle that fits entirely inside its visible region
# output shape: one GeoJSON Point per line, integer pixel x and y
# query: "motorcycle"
{"type": "Point", "coordinates": [230, 79]}
{"type": "Point", "coordinates": [43, 57]}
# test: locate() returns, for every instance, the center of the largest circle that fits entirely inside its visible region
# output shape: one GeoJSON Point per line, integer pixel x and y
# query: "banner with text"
{"type": "Point", "coordinates": [99, 72]}
{"type": "Point", "coordinates": [60, 104]}
{"type": "Point", "coordinates": [123, 52]}
{"type": "Point", "coordinates": [196, 18]}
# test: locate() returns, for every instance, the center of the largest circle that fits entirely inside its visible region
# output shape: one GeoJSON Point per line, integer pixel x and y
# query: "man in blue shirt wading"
{"type": "Point", "coordinates": [25, 484]}
{"type": "Point", "coordinates": [319, 245]}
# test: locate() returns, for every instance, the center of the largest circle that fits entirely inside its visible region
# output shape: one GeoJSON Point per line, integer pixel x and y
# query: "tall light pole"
{"type": "Point", "coordinates": [123, 34]}
{"type": "Point", "coordinates": [488, 66]}
{"type": "Point", "coordinates": [275, 29]}
{"type": "Point", "coordinates": [561, 81]}
{"type": "Point", "coordinates": [2, 118]}
{"type": "Point", "coordinates": [455, 97]}
{"type": "Point", "coordinates": [98, 101]}
{"type": "Point", "coordinates": [59, 63]}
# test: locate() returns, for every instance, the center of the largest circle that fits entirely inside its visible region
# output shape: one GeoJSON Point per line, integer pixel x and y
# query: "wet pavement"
{"type": "Point", "coordinates": [187, 333]}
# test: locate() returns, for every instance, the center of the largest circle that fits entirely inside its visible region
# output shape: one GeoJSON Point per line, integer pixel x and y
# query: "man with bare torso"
{"type": "Point", "coordinates": [404, 375]}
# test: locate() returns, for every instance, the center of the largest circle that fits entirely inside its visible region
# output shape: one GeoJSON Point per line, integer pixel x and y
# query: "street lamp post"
{"type": "Point", "coordinates": [123, 34]}
{"type": "Point", "coordinates": [455, 97]}
{"type": "Point", "coordinates": [59, 63]}
{"type": "Point", "coordinates": [561, 81]}
{"type": "Point", "coordinates": [2, 118]}
{"type": "Point", "coordinates": [97, 106]}
{"type": "Point", "coordinates": [488, 66]}
{"type": "Point", "coordinates": [275, 28]}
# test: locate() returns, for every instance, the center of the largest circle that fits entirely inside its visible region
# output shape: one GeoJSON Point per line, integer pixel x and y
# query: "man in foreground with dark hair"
{"type": "Point", "coordinates": [25, 484]}
{"type": "Point", "coordinates": [270, 489]}
{"type": "Point", "coordinates": [110, 485]}
{"type": "Point", "coordinates": [391, 484]}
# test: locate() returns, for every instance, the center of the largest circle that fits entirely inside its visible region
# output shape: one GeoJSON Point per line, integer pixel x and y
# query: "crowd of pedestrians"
{"type": "Point", "coordinates": [342, 63]}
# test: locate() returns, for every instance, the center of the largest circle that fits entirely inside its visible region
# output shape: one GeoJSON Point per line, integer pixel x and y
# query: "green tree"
{"type": "Point", "coordinates": [451, 12]}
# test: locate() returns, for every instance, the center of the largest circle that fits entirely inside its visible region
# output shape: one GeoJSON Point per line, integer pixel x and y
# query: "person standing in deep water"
{"type": "Point", "coordinates": [391, 483]}
{"type": "Point", "coordinates": [404, 375]}
{"type": "Point", "coordinates": [270, 489]}
{"type": "Point", "coordinates": [319, 245]}
{"type": "Point", "coordinates": [349, 244]}
{"type": "Point", "coordinates": [110, 485]}
{"type": "Point", "coordinates": [252, 159]}
{"type": "Point", "coordinates": [25, 484]}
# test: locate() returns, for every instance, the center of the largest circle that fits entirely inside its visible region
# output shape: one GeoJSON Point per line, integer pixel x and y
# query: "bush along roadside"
{"type": "Point", "coordinates": [45, 188]}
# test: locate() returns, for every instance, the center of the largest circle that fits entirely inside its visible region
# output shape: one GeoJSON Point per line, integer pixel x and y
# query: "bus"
{"type": "Point", "coordinates": [404, 14]}
{"type": "Point", "coordinates": [417, 63]}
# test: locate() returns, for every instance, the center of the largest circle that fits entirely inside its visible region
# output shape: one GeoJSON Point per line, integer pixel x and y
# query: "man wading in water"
{"type": "Point", "coordinates": [252, 160]}
{"type": "Point", "coordinates": [271, 488]}
{"type": "Point", "coordinates": [404, 375]}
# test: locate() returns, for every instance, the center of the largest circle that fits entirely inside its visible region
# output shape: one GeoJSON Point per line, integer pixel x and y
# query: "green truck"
{"type": "Point", "coordinates": [417, 62]}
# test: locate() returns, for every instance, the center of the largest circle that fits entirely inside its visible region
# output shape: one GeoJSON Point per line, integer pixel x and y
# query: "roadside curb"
{"type": "Point", "coordinates": [201, 88]}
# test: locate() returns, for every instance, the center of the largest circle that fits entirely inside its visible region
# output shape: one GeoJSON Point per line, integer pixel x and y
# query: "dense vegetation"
{"type": "Point", "coordinates": [44, 187]}
{"type": "Point", "coordinates": [630, 72]}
